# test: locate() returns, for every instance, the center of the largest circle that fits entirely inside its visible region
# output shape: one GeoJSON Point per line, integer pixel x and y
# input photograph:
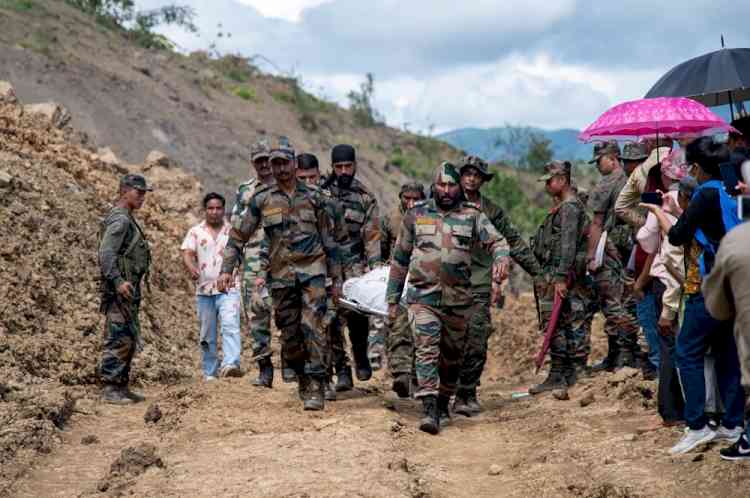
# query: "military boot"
{"type": "Point", "coordinates": [554, 380]}
{"type": "Point", "coordinates": [362, 366]}
{"type": "Point", "coordinates": [315, 394]}
{"type": "Point", "coordinates": [627, 356]}
{"type": "Point", "coordinates": [472, 402]}
{"type": "Point", "coordinates": [444, 413]}
{"type": "Point", "coordinates": [583, 371]}
{"type": "Point", "coordinates": [303, 383]}
{"type": "Point", "coordinates": [344, 380]}
{"type": "Point", "coordinates": [461, 403]}
{"type": "Point", "coordinates": [647, 368]}
{"type": "Point", "coordinates": [136, 397]}
{"type": "Point", "coordinates": [430, 422]}
{"type": "Point", "coordinates": [609, 363]}
{"type": "Point", "coordinates": [330, 389]}
{"type": "Point", "coordinates": [265, 373]}
{"type": "Point", "coordinates": [288, 375]}
{"type": "Point", "coordinates": [402, 385]}
{"type": "Point", "coordinates": [569, 372]}
{"type": "Point", "coordinates": [114, 395]}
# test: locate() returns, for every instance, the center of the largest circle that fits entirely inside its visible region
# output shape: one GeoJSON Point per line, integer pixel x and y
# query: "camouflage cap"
{"type": "Point", "coordinates": [282, 149]}
{"type": "Point", "coordinates": [556, 168]}
{"type": "Point", "coordinates": [137, 182]}
{"type": "Point", "coordinates": [447, 173]}
{"type": "Point", "coordinates": [412, 187]}
{"type": "Point", "coordinates": [477, 163]}
{"type": "Point", "coordinates": [633, 151]}
{"type": "Point", "coordinates": [259, 150]}
{"type": "Point", "coordinates": [604, 148]}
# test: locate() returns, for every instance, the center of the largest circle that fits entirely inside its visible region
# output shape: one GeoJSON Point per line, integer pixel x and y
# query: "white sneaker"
{"type": "Point", "coordinates": [693, 439]}
{"type": "Point", "coordinates": [209, 378]}
{"type": "Point", "coordinates": [732, 435]}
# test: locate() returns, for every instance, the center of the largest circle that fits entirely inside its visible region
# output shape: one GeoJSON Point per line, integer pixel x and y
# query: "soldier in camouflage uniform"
{"type": "Point", "coordinates": [308, 171]}
{"type": "Point", "coordinates": [621, 324]}
{"type": "Point", "coordinates": [399, 337]}
{"type": "Point", "coordinates": [474, 173]}
{"type": "Point", "coordinates": [297, 253]}
{"type": "Point", "coordinates": [256, 305]}
{"type": "Point", "coordinates": [560, 247]}
{"type": "Point", "coordinates": [360, 254]}
{"type": "Point", "coordinates": [434, 247]}
{"type": "Point", "coordinates": [124, 261]}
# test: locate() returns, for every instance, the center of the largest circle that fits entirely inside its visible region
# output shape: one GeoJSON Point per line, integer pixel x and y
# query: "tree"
{"type": "Point", "coordinates": [360, 103]}
{"type": "Point", "coordinates": [539, 152]}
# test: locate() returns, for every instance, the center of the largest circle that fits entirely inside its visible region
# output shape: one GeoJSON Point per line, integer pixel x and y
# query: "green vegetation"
{"type": "Point", "coordinates": [506, 191]}
{"type": "Point", "coordinates": [18, 5]}
{"type": "Point", "coordinates": [39, 42]}
{"type": "Point", "coordinates": [360, 104]}
{"type": "Point", "coordinates": [307, 105]}
{"type": "Point", "coordinates": [245, 93]}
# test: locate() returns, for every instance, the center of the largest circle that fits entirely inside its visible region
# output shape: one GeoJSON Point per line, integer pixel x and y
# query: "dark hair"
{"type": "Point", "coordinates": [211, 196]}
{"type": "Point", "coordinates": [307, 161]}
{"type": "Point", "coordinates": [707, 154]}
{"type": "Point", "coordinates": [742, 125]}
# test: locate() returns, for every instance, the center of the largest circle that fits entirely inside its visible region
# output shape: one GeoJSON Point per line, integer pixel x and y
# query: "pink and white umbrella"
{"type": "Point", "coordinates": [675, 117]}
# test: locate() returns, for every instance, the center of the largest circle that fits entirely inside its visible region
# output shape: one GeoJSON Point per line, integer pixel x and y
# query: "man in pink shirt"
{"type": "Point", "coordinates": [202, 253]}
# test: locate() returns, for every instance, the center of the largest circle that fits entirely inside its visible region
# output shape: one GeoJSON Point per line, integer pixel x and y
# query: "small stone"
{"type": "Point", "coordinates": [608, 461]}
{"type": "Point", "coordinates": [630, 437]}
{"type": "Point", "coordinates": [587, 400]}
{"type": "Point", "coordinates": [90, 439]}
{"type": "Point", "coordinates": [6, 180]}
{"type": "Point", "coordinates": [55, 114]}
{"type": "Point", "coordinates": [396, 426]}
{"type": "Point", "coordinates": [561, 394]}
{"type": "Point", "coordinates": [153, 414]}
{"type": "Point", "coordinates": [623, 374]}
{"type": "Point", "coordinates": [699, 457]}
{"type": "Point", "coordinates": [495, 470]}
{"type": "Point", "coordinates": [107, 156]}
{"type": "Point", "coordinates": [156, 158]}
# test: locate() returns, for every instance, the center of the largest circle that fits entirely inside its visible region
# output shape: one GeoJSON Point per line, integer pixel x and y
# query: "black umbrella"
{"type": "Point", "coordinates": [717, 78]}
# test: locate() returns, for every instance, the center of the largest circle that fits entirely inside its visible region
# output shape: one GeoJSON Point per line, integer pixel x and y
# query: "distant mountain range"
{"type": "Point", "coordinates": [490, 144]}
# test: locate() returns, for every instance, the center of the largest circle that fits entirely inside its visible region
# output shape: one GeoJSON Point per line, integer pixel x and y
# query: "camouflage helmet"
{"type": "Point", "coordinates": [602, 149]}
{"type": "Point", "coordinates": [556, 168]}
{"type": "Point", "coordinates": [412, 187]}
{"type": "Point", "coordinates": [633, 151]}
{"type": "Point", "coordinates": [282, 149]}
{"type": "Point", "coordinates": [259, 150]}
{"type": "Point", "coordinates": [447, 173]}
{"type": "Point", "coordinates": [477, 163]}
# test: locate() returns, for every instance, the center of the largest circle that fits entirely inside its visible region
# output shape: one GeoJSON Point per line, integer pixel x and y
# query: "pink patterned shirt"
{"type": "Point", "coordinates": [210, 253]}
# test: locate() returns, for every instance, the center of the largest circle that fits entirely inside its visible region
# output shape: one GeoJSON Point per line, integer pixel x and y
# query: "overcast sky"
{"type": "Point", "coordinates": [481, 63]}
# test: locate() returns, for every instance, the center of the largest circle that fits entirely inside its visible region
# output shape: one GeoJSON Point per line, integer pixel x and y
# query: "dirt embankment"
{"type": "Point", "coordinates": [53, 194]}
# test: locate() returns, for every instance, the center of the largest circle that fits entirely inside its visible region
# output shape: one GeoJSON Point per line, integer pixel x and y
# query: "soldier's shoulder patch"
{"type": "Point", "coordinates": [424, 220]}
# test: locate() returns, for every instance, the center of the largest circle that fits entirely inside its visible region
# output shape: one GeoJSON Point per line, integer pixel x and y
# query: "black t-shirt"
{"type": "Point", "coordinates": [704, 212]}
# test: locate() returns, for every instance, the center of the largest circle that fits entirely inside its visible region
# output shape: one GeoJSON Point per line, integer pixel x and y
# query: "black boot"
{"type": "Point", "coordinates": [444, 413]}
{"type": "Point", "coordinates": [288, 375]}
{"type": "Point", "coordinates": [315, 394]}
{"type": "Point", "coordinates": [362, 365]}
{"type": "Point", "coordinates": [402, 385]}
{"type": "Point", "coordinates": [569, 372]}
{"type": "Point", "coordinates": [647, 369]}
{"type": "Point", "coordinates": [628, 352]}
{"type": "Point", "coordinates": [265, 373]}
{"type": "Point", "coordinates": [609, 363]}
{"type": "Point", "coordinates": [330, 389]}
{"type": "Point", "coordinates": [303, 383]}
{"type": "Point", "coordinates": [461, 403]}
{"type": "Point", "coordinates": [583, 371]}
{"type": "Point", "coordinates": [134, 396]}
{"type": "Point", "coordinates": [113, 394]}
{"type": "Point", "coordinates": [430, 423]}
{"type": "Point", "coordinates": [554, 380]}
{"type": "Point", "coordinates": [344, 380]}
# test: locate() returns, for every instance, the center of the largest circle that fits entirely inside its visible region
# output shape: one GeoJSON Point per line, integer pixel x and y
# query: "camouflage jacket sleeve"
{"type": "Point", "coordinates": [386, 238]}
{"type": "Point", "coordinates": [242, 229]}
{"type": "Point", "coordinates": [626, 205]}
{"type": "Point", "coordinates": [491, 239]}
{"type": "Point", "coordinates": [371, 235]}
{"type": "Point", "coordinates": [519, 250]}
{"type": "Point", "coordinates": [111, 243]}
{"type": "Point", "coordinates": [262, 258]}
{"type": "Point", "coordinates": [400, 260]}
{"type": "Point", "coordinates": [328, 226]}
{"type": "Point", "coordinates": [570, 215]}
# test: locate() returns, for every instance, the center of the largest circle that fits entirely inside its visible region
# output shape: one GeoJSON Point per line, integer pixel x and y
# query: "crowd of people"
{"type": "Point", "coordinates": [656, 246]}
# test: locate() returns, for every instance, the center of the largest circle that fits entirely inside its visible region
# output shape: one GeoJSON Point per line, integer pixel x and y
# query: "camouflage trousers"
{"type": "Point", "coordinates": [120, 342]}
{"type": "Point", "coordinates": [257, 313]}
{"type": "Point", "coordinates": [299, 312]}
{"type": "Point", "coordinates": [439, 340]}
{"type": "Point", "coordinates": [477, 337]}
{"type": "Point", "coordinates": [610, 288]}
{"type": "Point", "coordinates": [358, 326]}
{"type": "Point", "coordinates": [582, 333]}
{"type": "Point", "coordinates": [376, 338]}
{"type": "Point", "coordinates": [400, 344]}
{"type": "Point", "coordinates": [570, 336]}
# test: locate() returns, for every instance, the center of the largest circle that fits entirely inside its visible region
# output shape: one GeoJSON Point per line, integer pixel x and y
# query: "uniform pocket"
{"type": "Point", "coordinates": [354, 216]}
{"type": "Point", "coordinates": [461, 236]}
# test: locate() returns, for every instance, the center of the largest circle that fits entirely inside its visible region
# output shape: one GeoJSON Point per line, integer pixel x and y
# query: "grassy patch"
{"type": "Point", "coordinates": [40, 42]}
{"type": "Point", "coordinates": [18, 5]}
{"type": "Point", "coordinates": [245, 93]}
{"type": "Point", "coordinates": [283, 97]}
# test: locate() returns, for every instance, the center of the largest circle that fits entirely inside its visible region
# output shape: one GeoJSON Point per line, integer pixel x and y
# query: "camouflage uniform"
{"type": "Point", "coordinates": [610, 277]}
{"type": "Point", "coordinates": [256, 308]}
{"type": "Point", "coordinates": [560, 248]}
{"type": "Point", "coordinates": [480, 325]}
{"type": "Point", "coordinates": [359, 254]}
{"type": "Point", "coordinates": [435, 248]}
{"type": "Point", "coordinates": [124, 255]}
{"type": "Point", "coordinates": [297, 252]}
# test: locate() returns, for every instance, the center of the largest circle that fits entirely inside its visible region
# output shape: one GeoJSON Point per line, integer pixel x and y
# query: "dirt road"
{"type": "Point", "coordinates": [230, 439]}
